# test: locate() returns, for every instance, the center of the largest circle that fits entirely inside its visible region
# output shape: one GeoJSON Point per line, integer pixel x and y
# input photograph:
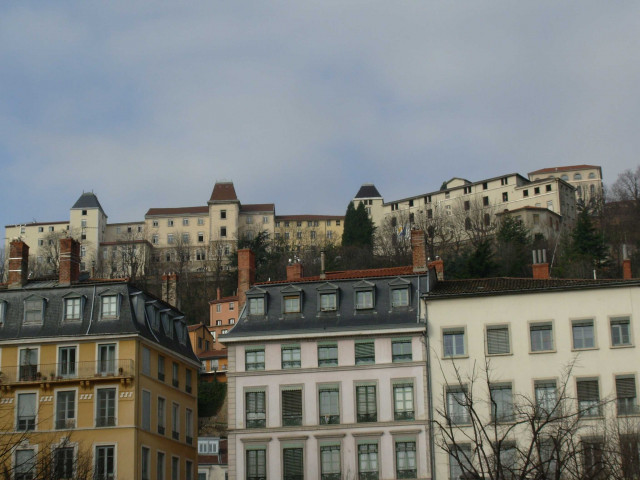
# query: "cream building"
{"type": "Point", "coordinates": [587, 179]}
{"type": "Point", "coordinates": [299, 231]}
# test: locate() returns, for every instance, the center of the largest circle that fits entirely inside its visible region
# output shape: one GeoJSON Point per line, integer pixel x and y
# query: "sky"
{"type": "Point", "coordinates": [148, 104]}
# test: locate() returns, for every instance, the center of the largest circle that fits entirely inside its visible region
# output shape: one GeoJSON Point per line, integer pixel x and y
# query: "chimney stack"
{"type": "Point", "coordinates": [18, 264]}
{"type": "Point", "coordinates": [540, 266]}
{"type": "Point", "coordinates": [218, 296]}
{"type": "Point", "coordinates": [626, 264]}
{"type": "Point", "coordinates": [246, 273]}
{"type": "Point", "coordinates": [69, 261]}
{"type": "Point", "coordinates": [170, 289]}
{"type": "Point", "coordinates": [419, 251]}
{"type": "Point", "coordinates": [438, 266]}
{"type": "Point", "coordinates": [323, 275]}
{"type": "Point", "coordinates": [294, 272]}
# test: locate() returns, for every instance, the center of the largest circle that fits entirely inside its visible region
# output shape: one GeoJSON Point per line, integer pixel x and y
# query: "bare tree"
{"type": "Point", "coordinates": [627, 186]}
{"type": "Point", "coordinates": [128, 256]}
{"type": "Point", "coordinates": [476, 219]}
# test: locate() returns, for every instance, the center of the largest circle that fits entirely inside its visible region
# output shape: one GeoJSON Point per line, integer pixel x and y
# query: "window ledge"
{"type": "Point", "coordinates": [586, 349]}
{"type": "Point", "coordinates": [499, 354]}
{"type": "Point", "coordinates": [453, 357]}
{"type": "Point", "coordinates": [630, 345]}
{"type": "Point", "coordinates": [538, 352]}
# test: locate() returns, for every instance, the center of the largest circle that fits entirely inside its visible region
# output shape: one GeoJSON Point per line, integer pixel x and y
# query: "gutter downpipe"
{"type": "Point", "coordinates": [93, 302]}
{"type": "Point", "coordinates": [432, 448]}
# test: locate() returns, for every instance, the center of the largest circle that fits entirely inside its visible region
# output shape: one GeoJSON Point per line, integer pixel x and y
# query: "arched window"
{"type": "Point", "coordinates": [592, 175]}
{"type": "Point", "coordinates": [592, 189]}
{"type": "Point", "coordinates": [565, 177]}
{"type": "Point", "coordinates": [577, 176]}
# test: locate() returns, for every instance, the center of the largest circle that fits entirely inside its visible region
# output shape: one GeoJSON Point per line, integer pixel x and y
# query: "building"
{"type": "Point", "coordinates": [327, 375]}
{"type": "Point", "coordinates": [300, 231]}
{"type": "Point", "coordinates": [212, 354]}
{"type": "Point", "coordinates": [540, 340]}
{"type": "Point", "coordinates": [98, 377]}
{"type": "Point", "coordinates": [212, 458]}
{"type": "Point", "coordinates": [587, 179]}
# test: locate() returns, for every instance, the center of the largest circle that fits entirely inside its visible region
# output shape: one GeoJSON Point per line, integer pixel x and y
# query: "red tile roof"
{"type": "Point", "coordinates": [258, 207]}
{"type": "Point", "coordinates": [309, 217]}
{"type": "Point", "coordinates": [223, 191]}
{"type": "Point", "coordinates": [369, 273]}
{"type": "Point", "coordinates": [36, 224]}
{"type": "Point", "coordinates": [567, 168]}
{"type": "Point", "coordinates": [224, 300]}
{"type": "Point", "coordinates": [176, 211]}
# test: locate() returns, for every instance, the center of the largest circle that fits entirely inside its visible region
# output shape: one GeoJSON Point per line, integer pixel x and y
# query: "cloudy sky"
{"type": "Point", "coordinates": [299, 103]}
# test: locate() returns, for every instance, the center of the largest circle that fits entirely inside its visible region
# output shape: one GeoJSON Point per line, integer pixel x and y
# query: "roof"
{"type": "Point", "coordinates": [308, 217]}
{"type": "Point", "coordinates": [368, 190]}
{"type": "Point", "coordinates": [177, 211]}
{"type": "Point", "coordinates": [351, 274]}
{"type": "Point", "coordinates": [530, 208]}
{"type": "Point", "coordinates": [258, 207]}
{"type": "Point", "coordinates": [506, 285]}
{"type": "Point", "coordinates": [36, 224]}
{"type": "Point", "coordinates": [87, 200]}
{"type": "Point", "coordinates": [220, 353]}
{"type": "Point", "coordinates": [224, 300]}
{"type": "Point", "coordinates": [223, 192]}
{"type": "Point", "coordinates": [567, 168]}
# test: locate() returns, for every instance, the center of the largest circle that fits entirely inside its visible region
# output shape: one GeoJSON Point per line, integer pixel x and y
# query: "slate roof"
{"type": "Point", "coordinates": [223, 191]}
{"type": "Point", "coordinates": [177, 211]}
{"type": "Point", "coordinates": [567, 168]}
{"type": "Point", "coordinates": [345, 318]}
{"type": "Point", "coordinates": [347, 274]}
{"type": "Point", "coordinates": [368, 190]}
{"type": "Point", "coordinates": [88, 200]}
{"type": "Point", "coordinates": [506, 285]}
{"type": "Point", "coordinates": [132, 318]}
{"type": "Point", "coordinates": [224, 300]}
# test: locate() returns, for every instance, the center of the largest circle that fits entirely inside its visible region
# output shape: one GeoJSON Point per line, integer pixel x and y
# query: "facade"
{"type": "Point", "coordinates": [298, 231]}
{"type": "Point", "coordinates": [587, 179]}
{"type": "Point", "coordinates": [327, 377]}
{"type": "Point", "coordinates": [212, 354]}
{"type": "Point", "coordinates": [98, 378]}
{"type": "Point", "coordinates": [212, 458]}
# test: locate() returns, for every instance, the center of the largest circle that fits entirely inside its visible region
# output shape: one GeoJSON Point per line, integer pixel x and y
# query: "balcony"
{"type": "Point", "coordinates": [66, 424]}
{"type": "Point", "coordinates": [66, 372]}
{"type": "Point", "coordinates": [189, 440]}
{"type": "Point", "coordinates": [26, 423]}
{"type": "Point", "coordinates": [175, 435]}
{"type": "Point", "coordinates": [160, 430]}
{"type": "Point", "coordinates": [106, 422]}
{"type": "Point", "coordinates": [329, 419]}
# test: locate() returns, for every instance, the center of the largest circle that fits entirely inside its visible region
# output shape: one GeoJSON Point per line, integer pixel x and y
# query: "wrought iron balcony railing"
{"type": "Point", "coordinates": [66, 371]}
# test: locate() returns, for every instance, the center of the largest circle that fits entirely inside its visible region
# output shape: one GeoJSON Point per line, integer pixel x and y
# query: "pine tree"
{"type": "Point", "coordinates": [586, 241]}
{"type": "Point", "coordinates": [358, 228]}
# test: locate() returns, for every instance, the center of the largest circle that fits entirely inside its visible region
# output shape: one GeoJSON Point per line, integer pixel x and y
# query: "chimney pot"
{"type": "Point", "coordinates": [18, 264]}
{"type": "Point", "coordinates": [246, 273]}
{"type": "Point", "coordinates": [69, 261]}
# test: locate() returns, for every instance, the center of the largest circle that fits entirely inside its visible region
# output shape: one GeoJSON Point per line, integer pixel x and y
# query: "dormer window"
{"type": "Point", "coordinates": [109, 306]}
{"type": "Point", "coordinates": [34, 310]}
{"type": "Point", "coordinates": [365, 298]}
{"type": "Point", "coordinates": [3, 312]}
{"type": "Point", "coordinates": [73, 306]}
{"type": "Point", "coordinates": [291, 299]}
{"type": "Point", "coordinates": [327, 297]}
{"type": "Point", "coordinates": [167, 325]}
{"type": "Point", "coordinates": [256, 299]}
{"type": "Point", "coordinates": [399, 290]}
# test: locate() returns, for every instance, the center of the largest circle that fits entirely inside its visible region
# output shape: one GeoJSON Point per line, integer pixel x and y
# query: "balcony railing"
{"type": "Point", "coordinates": [160, 430]}
{"type": "Point", "coordinates": [65, 424]}
{"type": "Point", "coordinates": [329, 419]}
{"type": "Point", "coordinates": [26, 423]}
{"type": "Point", "coordinates": [106, 422]}
{"type": "Point", "coordinates": [65, 371]}
{"type": "Point", "coordinates": [189, 439]}
{"type": "Point", "coordinates": [175, 435]}
{"type": "Point", "coordinates": [404, 415]}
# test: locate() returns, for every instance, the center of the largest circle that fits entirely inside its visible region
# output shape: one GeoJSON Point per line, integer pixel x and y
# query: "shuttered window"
{"type": "Point", "coordinates": [366, 403]}
{"type": "Point", "coordinates": [626, 395]}
{"type": "Point", "coordinates": [588, 398]}
{"type": "Point", "coordinates": [368, 461]}
{"type": "Point", "coordinates": [256, 464]}
{"type": "Point", "coordinates": [365, 353]}
{"type": "Point", "coordinates": [292, 407]}
{"type": "Point", "coordinates": [401, 351]}
{"type": "Point", "coordinates": [292, 466]}
{"type": "Point", "coordinates": [330, 462]}
{"type": "Point", "coordinates": [498, 340]}
{"type": "Point", "coordinates": [328, 355]}
{"type": "Point", "coordinates": [406, 460]}
{"type": "Point", "coordinates": [255, 410]}
{"type": "Point", "coordinates": [329, 400]}
{"type": "Point", "coordinates": [403, 401]}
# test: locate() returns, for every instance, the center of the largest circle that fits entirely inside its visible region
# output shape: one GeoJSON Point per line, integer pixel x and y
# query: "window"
{"type": "Point", "coordinates": [328, 302]}
{"type": "Point", "coordinates": [106, 407]}
{"type": "Point", "coordinates": [63, 463]}
{"type": "Point", "coordinates": [365, 353]}
{"type": "Point", "coordinates": [330, 462]}
{"type": "Point", "coordinates": [188, 469]}
{"type": "Point", "coordinates": [249, 220]}
{"type": "Point", "coordinates": [28, 364]}
{"type": "Point", "coordinates": [223, 214]}
{"type": "Point", "coordinates": [256, 465]}
{"type": "Point", "coordinates": [467, 204]}
{"type": "Point", "coordinates": [291, 406]}
{"type": "Point", "coordinates": [338, 223]}
{"type": "Point", "coordinates": [292, 304]}
{"type": "Point", "coordinates": [175, 375]}
{"type": "Point", "coordinates": [223, 232]}
{"type": "Point", "coordinates": [231, 306]}
{"type": "Point", "coordinates": [498, 340]}
{"type": "Point", "coordinates": [232, 321]}
{"type": "Point", "coordinates": [457, 411]}
{"type": "Point", "coordinates": [399, 297]}
{"type": "Point", "coordinates": [453, 342]}
{"type": "Point", "coordinates": [218, 323]}
{"type": "Point", "coordinates": [146, 361]}
{"type": "Point", "coordinates": [26, 411]}
{"type": "Point", "coordinates": [145, 463]}
{"type": "Point", "coordinates": [200, 237]}
{"type": "Point", "coordinates": [504, 181]}
{"type": "Point", "coordinates": [292, 464]}
{"type": "Point", "coordinates": [459, 461]}
{"type": "Point", "coordinates": [364, 299]}
{"type": "Point", "coordinates": [505, 196]}
{"type": "Point", "coordinates": [33, 310]}
{"type": "Point", "coordinates": [160, 469]}
{"type": "Point", "coordinates": [185, 238]}
{"type": "Point", "coordinates": [583, 335]}
{"type": "Point", "coordinates": [218, 308]}
{"type": "Point", "coordinates": [291, 356]}
{"type": "Point", "coordinates": [175, 468]}
{"type": "Point", "coordinates": [51, 229]}
{"type": "Point", "coordinates": [401, 350]}
{"type": "Point", "coordinates": [161, 415]}
{"type": "Point", "coordinates": [546, 397]}
{"type": "Point", "coordinates": [109, 305]}
{"type": "Point", "coordinates": [187, 381]}
{"type": "Point", "coordinates": [536, 190]}
{"type": "Point", "coordinates": [577, 176]}
{"type": "Point", "coordinates": [328, 355]}
{"type": "Point", "coordinates": [256, 306]}
{"type": "Point", "coordinates": [620, 332]}
{"type": "Point", "coordinates": [188, 425]}
{"type": "Point", "coordinates": [588, 398]}
{"type": "Point", "coordinates": [329, 404]}
{"type": "Point", "coordinates": [626, 395]}
{"type": "Point", "coordinates": [207, 447]}
{"type": "Point", "coordinates": [170, 223]}
{"type": "Point", "coordinates": [368, 461]}
{"type": "Point", "coordinates": [593, 461]}
{"type": "Point", "coordinates": [175, 421]}
{"type": "Point", "coordinates": [525, 193]}
{"type": "Point", "coordinates": [72, 308]}
{"type": "Point", "coordinates": [406, 460]}
{"type": "Point", "coordinates": [65, 410]}
{"type": "Point", "coordinates": [255, 410]}
{"type": "Point", "coordinates": [67, 362]}
{"type": "Point", "coordinates": [105, 464]}
{"type": "Point", "coordinates": [403, 401]}
{"type": "Point", "coordinates": [501, 403]}
{"type": "Point", "coordinates": [254, 359]}
{"type": "Point", "coordinates": [25, 464]}
{"type": "Point", "coordinates": [156, 223]}
{"type": "Point", "coordinates": [541, 337]}
{"type": "Point", "coordinates": [155, 239]}
{"type": "Point", "coordinates": [107, 359]}
{"type": "Point", "coordinates": [366, 403]}
{"type": "Point", "coordinates": [161, 368]}
{"type": "Point", "coordinates": [146, 410]}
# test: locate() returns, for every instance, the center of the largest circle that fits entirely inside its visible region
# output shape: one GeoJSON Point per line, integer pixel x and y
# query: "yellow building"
{"type": "Point", "coordinates": [299, 231]}
{"type": "Point", "coordinates": [98, 378]}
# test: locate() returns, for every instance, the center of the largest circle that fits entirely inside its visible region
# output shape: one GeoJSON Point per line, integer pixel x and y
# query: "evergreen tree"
{"type": "Point", "coordinates": [480, 263]}
{"type": "Point", "coordinates": [358, 228]}
{"type": "Point", "coordinates": [586, 242]}
{"type": "Point", "coordinates": [513, 247]}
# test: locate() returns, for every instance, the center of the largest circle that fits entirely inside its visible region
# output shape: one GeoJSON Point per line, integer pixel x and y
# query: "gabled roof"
{"type": "Point", "coordinates": [223, 192]}
{"type": "Point", "coordinates": [177, 211]}
{"type": "Point", "coordinates": [87, 200]}
{"type": "Point", "coordinates": [368, 190]}
{"type": "Point", "coordinates": [567, 168]}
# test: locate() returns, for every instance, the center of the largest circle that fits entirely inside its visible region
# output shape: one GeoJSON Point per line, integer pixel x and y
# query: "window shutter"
{"type": "Point", "coordinates": [365, 349]}
{"type": "Point", "coordinates": [588, 390]}
{"type": "Point", "coordinates": [498, 340]}
{"type": "Point", "coordinates": [292, 463]}
{"type": "Point", "coordinates": [626, 387]}
{"type": "Point", "coordinates": [291, 403]}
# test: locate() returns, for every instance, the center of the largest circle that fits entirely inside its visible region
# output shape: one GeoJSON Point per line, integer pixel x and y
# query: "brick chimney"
{"type": "Point", "coordinates": [419, 251]}
{"type": "Point", "coordinates": [18, 264]}
{"type": "Point", "coordinates": [540, 266]}
{"type": "Point", "coordinates": [294, 272]}
{"type": "Point", "coordinates": [69, 261]}
{"type": "Point", "coordinates": [170, 289]}
{"type": "Point", "coordinates": [246, 273]}
{"type": "Point", "coordinates": [626, 269]}
{"type": "Point", "coordinates": [438, 265]}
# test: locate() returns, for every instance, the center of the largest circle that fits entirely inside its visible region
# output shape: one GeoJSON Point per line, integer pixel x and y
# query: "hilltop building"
{"type": "Point", "coordinates": [586, 179]}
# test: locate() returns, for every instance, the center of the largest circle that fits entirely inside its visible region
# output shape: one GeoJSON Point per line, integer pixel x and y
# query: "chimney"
{"type": "Point", "coordinates": [626, 264]}
{"type": "Point", "coordinates": [18, 264]}
{"type": "Point", "coordinates": [170, 289]}
{"type": "Point", "coordinates": [69, 261]}
{"type": "Point", "coordinates": [419, 250]}
{"type": "Point", "coordinates": [323, 275]}
{"type": "Point", "coordinates": [246, 273]}
{"type": "Point", "coordinates": [438, 266]}
{"type": "Point", "coordinates": [540, 266]}
{"type": "Point", "coordinates": [218, 293]}
{"type": "Point", "coordinates": [294, 272]}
